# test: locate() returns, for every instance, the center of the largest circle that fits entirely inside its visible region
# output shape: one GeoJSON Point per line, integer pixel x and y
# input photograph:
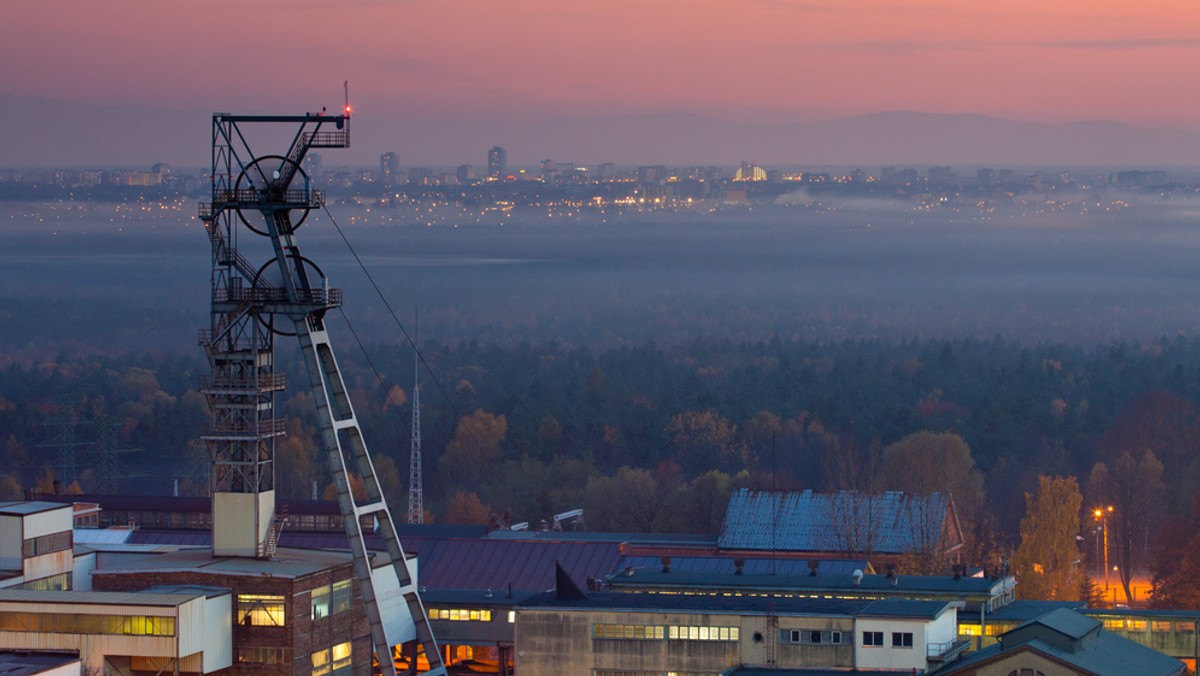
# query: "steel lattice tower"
{"type": "Point", "coordinates": [287, 295]}
{"type": "Point", "coordinates": [416, 490]}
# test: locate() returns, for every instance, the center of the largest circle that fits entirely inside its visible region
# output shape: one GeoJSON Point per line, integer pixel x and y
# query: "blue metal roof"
{"type": "Point", "coordinates": [891, 522]}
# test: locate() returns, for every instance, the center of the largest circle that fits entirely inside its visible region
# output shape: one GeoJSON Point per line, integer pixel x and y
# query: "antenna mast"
{"type": "Point", "coordinates": [416, 490]}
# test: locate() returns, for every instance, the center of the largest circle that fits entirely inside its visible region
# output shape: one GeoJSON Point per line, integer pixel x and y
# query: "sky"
{"type": "Point", "coordinates": [768, 60]}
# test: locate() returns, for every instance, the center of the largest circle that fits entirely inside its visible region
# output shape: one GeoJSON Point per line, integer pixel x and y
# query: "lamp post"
{"type": "Point", "coordinates": [1101, 515]}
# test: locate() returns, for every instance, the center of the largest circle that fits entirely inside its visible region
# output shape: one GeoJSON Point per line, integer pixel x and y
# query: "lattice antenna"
{"type": "Point", "coordinates": [416, 489]}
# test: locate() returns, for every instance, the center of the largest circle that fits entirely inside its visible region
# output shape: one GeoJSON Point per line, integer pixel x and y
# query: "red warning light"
{"type": "Point", "coordinates": [347, 110]}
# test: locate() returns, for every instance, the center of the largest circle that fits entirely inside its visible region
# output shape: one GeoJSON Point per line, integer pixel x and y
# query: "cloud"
{"type": "Point", "coordinates": [1123, 44]}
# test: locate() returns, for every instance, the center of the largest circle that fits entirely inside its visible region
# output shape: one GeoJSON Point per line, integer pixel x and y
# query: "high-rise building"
{"type": "Point", "coordinates": [389, 168]}
{"type": "Point", "coordinates": [497, 162]}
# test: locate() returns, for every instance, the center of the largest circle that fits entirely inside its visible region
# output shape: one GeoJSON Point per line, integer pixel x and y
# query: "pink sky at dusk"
{"type": "Point", "coordinates": [757, 59]}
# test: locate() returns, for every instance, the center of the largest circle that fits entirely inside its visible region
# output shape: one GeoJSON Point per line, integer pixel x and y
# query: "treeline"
{"type": "Point", "coordinates": [654, 438]}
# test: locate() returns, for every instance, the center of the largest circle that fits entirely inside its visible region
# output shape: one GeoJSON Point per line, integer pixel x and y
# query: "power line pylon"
{"type": "Point", "coordinates": [288, 295]}
{"type": "Point", "coordinates": [64, 439]}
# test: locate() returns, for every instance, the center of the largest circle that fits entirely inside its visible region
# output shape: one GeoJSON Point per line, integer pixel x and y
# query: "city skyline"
{"type": "Point", "coordinates": [765, 61]}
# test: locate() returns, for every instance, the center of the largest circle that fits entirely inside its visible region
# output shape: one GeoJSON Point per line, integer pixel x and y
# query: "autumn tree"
{"type": "Point", "coordinates": [474, 450]}
{"type": "Point", "coordinates": [632, 500]}
{"type": "Point", "coordinates": [930, 462]}
{"type": "Point", "coordinates": [466, 508]}
{"type": "Point", "coordinates": [10, 488]}
{"type": "Point", "coordinates": [1045, 560]}
{"type": "Point", "coordinates": [701, 504]}
{"type": "Point", "coordinates": [1133, 489]}
{"type": "Point", "coordinates": [1176, 562]}
{"type": "Point", "coordinates": [704, 440]}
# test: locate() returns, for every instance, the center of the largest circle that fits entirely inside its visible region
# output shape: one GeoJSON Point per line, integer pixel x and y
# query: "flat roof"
{"type": "Point", "coordinates": [27, 507]}
{"type": "Point", "coordinates": [474, 598]}
{"type": "Point", "coordinates": [21, 663]}
{"type": "Point", "coordinates": [743, 605]}
{"type": "Point", "coordinates": [288, 563]}
{"type": "Point", "coordinates": [904, 584]}
{"type": "Point", "coordinates": [43, 597]}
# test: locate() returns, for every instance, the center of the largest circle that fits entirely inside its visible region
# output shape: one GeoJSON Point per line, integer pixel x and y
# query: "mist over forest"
{"type": "Point", "coordinates": [114, 278]}
{"type": "Point", "coordinates": [681, 353]}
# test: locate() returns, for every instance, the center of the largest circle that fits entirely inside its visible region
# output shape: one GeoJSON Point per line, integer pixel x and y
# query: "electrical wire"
{"type": "Point", "coordinates": [458, 416]}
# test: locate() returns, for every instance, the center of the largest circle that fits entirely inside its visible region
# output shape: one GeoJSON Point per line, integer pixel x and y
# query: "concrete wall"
{"type": "Point", "coordinates": [885, 656]}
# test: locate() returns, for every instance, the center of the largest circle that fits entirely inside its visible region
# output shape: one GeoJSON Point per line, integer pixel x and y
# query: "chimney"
{"type": "Point", "coordinates": [738, 565]}
{"type": "Point", "coordinates": [666, 564]}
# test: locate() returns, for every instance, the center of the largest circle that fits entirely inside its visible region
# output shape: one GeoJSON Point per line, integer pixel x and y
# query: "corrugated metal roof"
{"type": "Point", "coordinates": [494, 564]}
{"type": "Point", "coordinates": [825, 522]}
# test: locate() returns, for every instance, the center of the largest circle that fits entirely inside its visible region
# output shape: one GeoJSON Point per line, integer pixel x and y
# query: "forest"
{"type": "Point", "coordinates": [654, 438]}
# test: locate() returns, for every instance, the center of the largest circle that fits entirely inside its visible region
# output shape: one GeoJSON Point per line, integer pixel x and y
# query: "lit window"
{"type": "Point", "coordinates": [342, 658]}
{"type": "Point", "coordinates": [512, 616]}
{"type": "Point", "coordinates": [260, 610]}
{"type": "Point", "coordinates": [320, 663]}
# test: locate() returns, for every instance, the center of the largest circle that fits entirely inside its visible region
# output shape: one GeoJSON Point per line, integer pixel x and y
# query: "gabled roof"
{"type": "Point", "coordinates": [890, 523]}
{"type": "Point", "coordinates": [1072, 639]}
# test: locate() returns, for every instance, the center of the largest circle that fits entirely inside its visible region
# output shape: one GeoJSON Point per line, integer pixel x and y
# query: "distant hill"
{"type": "Point", "coordinates": [44, 132]}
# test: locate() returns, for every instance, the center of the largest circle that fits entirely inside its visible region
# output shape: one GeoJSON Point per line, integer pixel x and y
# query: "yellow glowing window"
{"type": "Point", "coordinates": [1135, 625]}
{"type": "Point", "coordinates": [341, 658]}
{"type": "Point", "coordinates": [1160, 627]}
{"type": "Point", "coordinates": [320, 663]}
{"type": "Point", "coordinates": [260, 610]}
{"type": "Point", "coordinates": [1114, 624]}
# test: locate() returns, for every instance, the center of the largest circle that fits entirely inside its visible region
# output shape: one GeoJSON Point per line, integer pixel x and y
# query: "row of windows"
{"type": "Point", "coordinates": [612, 672]}
{"type": "Point", "coordinates": [1111, 624]}
{"type": "Point", "coordinates": [658, 632]}
{"type": "Point", "coordinates": [900, 639]}
{"type": "Point", "coordinates": [260, 610]}
{"type": "Point", "coordinates": [461, 614]}
{"type": "Point", "coordinates": [60, 582]}
{"type": "Point", "coordinates": [65, 623]}
{"type": "Point", "coordinates": [703, 633]}
{"type": "Point", "coordinates": [1156, 626]}
{"type": "Point", "coordinates": [260, 655]}
{"type": "Point", "coordinates": [628, 631]}
{"type": "Point", "coordinates": [812, 637]}
{"type": "Point", "coordinates": [45, 544]}
{"type": "Point", "coordinates": [334, 661]}
{"type": "Point", "coordinates": [331, 599]}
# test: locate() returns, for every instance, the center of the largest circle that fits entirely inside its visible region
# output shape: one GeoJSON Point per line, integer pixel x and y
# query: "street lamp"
{"type": "Point", "coordinates": [1101, 515]}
